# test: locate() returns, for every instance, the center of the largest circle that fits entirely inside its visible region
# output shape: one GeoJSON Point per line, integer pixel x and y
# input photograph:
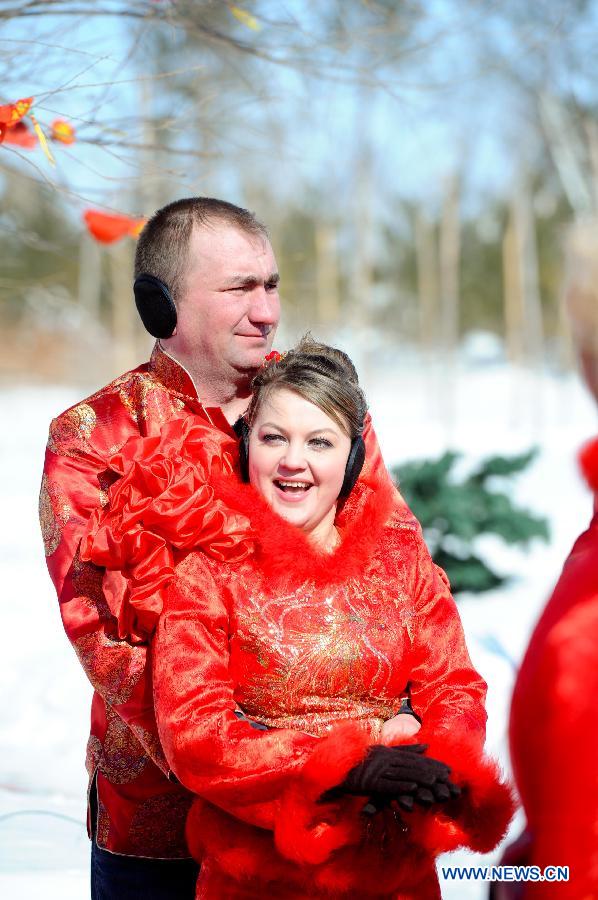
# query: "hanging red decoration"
{"type": "Point", "coordinates": [11, 114]}
{"type": "Point", "coordinates": [20, 135]}
{"type": "Point", "coordinates": [107, 228]}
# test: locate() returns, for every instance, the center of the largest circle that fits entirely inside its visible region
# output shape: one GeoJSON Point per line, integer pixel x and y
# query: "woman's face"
{"type": "Point", "coordinates": [297, 460]}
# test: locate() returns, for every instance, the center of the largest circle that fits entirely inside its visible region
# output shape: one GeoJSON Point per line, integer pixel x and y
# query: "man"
{"type": "Point", "coordinates": [219, 286]}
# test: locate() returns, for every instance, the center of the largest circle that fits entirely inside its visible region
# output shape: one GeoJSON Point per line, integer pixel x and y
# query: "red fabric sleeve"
{"type": "Point", "coordinates": [448, 694]}
{"type": "Point", "coordinates": [253, 774]}
{"type": "Point", "coordinates": [72, 488]}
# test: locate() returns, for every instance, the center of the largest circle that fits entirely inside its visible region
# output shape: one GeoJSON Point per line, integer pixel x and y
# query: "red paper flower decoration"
{"type": "Point", "coordinates": [20, 135]}
{"type": "Point", "coordinates": [11, 114]}
{"type": "Point", "coordinates": [107, 228]}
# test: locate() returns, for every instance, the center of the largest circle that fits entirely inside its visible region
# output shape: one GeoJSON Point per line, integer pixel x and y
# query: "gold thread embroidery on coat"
{"type": "Point", "coordinates": [93, 754]}
{"type": "Point", "coordinates": [70, 432]}
{"type": "Point", "coordinates": [113, 667]}
{"type": "Point", "coordinates": [158, 825]}
{"type": "Point", "coordinates": [123, 758]}
{"type": "Point", "coordinates": [54, 513]}
{"type": "Point", "coordinates": [87, 584]}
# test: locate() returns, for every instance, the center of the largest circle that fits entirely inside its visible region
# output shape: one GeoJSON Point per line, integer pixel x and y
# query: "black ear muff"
{"type": "Point", "coordinates": [155, 306]}
{"type": "Point", "coordinates": [241, 429]}
{"type": "Point", "coordinates": [354, 466]}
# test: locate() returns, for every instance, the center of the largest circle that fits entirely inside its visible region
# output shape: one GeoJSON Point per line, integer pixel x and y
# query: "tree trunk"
{"type": "Point", "coordinates": [450, 249]}
{"type": "Point", "coordinates": [327, 274]}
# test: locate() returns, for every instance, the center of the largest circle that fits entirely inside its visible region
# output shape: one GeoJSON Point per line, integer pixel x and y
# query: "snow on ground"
{"type": "Point", "coordinates": [417, 412]}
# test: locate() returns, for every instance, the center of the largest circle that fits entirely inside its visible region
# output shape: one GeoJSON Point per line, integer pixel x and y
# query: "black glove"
{"type": "Point", "coordinates": [398, 773]}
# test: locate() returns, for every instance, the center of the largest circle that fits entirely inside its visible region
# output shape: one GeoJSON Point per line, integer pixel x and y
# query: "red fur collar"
{"type": "Point", "coordinates": [284, 552]}
{"type": "Point", "coordinates": [588, 460]}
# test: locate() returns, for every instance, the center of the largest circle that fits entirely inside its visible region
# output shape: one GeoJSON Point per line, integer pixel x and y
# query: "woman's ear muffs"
{"type": "Point", "coordinates": [155, 306]}
{"type": "Point", "coordinates": [354, 466]}
{"type": "Point", "coordinates": [352, 469]}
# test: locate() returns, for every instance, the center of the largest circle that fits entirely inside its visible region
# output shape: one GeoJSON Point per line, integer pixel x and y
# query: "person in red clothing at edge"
{"type": "Point", "coordinates": [553, 728]}
{"type": "Point", "coordinates": [294, 618]}
{"type": "Point", "coordinates": [207, 288]}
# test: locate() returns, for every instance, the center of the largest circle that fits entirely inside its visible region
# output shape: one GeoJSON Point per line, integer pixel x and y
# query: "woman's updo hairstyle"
{"type": "Point", "coordinates": [323, 375]}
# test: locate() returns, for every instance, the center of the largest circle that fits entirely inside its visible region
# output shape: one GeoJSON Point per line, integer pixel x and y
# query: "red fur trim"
{"type": "Point", "coordinates": [384, 863]}
{"type": "Point", "coordinates": [307, 831]}
{"type": "Point", "coordinates": [479, 818]}
{"type": "Point", "coordinates": [241, 850]}
{"type": "Point", "coordinates": [283, 551]}
{"type": "Point", "coordinates": [588, 460]}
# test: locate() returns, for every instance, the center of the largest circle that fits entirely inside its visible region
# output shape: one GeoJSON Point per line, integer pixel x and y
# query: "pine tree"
{"type": "Point", "coordinates": [454, 512]}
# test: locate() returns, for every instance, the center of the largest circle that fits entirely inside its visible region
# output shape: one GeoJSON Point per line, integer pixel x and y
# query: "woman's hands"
{"type": "Point", "coordinates": [403, 725]}
{"type": "Point", "coordinates": [403, 774]}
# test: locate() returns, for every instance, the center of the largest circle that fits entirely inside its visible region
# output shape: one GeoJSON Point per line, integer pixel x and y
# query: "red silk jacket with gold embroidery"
{"type": "Point", "coordinates": [140, 811]}
{"type": "Point", "coordinates": [319, 648]}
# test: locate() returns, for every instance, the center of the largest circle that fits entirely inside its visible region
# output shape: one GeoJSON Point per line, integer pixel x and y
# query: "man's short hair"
{"type": "Point", "coordinates": [163, 244]}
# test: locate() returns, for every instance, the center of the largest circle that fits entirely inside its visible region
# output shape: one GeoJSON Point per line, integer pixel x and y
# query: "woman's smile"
{"type": "Point", "coordinates": [292, 491]}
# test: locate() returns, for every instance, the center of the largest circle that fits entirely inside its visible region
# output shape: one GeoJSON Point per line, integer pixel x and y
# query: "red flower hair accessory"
{"type": "Point", "coordinates": [272, 358]}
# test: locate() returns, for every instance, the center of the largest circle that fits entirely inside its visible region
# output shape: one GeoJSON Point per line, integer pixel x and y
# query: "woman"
{"type": "Point", "coordinates": [294, 628]}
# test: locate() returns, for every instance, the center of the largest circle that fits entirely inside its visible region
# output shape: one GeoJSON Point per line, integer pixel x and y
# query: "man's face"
{"type": "Point", "coordinates": [229, 307]}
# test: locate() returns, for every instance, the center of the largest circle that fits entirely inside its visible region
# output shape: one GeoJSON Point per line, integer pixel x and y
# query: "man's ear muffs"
{"type": "Point", "coordinates": [352, 469]}
{"type": "Point", "coordinates": [155, 306]}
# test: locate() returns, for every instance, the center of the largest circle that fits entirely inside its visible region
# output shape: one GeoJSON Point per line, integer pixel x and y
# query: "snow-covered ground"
{"type": "Point", "coordinates": [44, 695]}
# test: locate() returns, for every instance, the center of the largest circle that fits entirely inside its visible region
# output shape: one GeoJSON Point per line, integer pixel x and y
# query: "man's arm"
{"type": "Point", "coordinates": [73, 485]}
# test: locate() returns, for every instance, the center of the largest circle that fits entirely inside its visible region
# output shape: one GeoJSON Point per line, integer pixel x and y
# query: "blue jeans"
{"type": "Point", "coordinates": [115, 877]}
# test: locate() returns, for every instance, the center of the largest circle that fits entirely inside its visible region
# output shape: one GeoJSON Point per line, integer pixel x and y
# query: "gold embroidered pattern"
{"type": "Point", "coordinates": [113, 667]}
{"type": "Point", "coordinates": [70, 432]}
{"type": "Point", "coordinates": [54, 513]}
{"type": "Point", "coordinates": [153, 745]}
{"type": "Point", "coordinates": [87, 583]}
{"type": "Point", "coordinates": [103, 826]}
{"type": "Point", "coordinates": [158, 826]}
{"type": "Point", "coordinates": [127, 398]}
{"type": "Point", "coordinates": [93, 754]}
{"type": "Point", "coordinates": [323, 656]}
{"type": "Point", "coordinates": [171, 374]}
{"type": "Point", "coordinates": [123, 758]}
